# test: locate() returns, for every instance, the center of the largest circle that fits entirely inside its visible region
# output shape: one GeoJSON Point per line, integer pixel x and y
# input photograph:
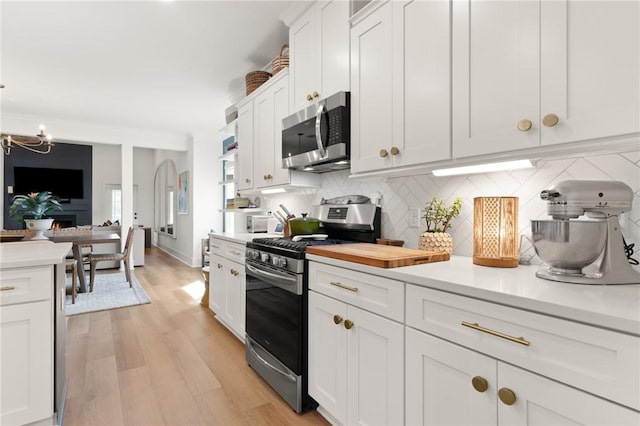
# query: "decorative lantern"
{"type": "Point", "coordinates": [495, 231]}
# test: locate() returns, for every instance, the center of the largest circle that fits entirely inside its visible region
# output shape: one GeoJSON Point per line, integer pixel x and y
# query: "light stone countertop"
{"type": "Point", "coordinates": [24, 254]}
{"type": "Point", "coordinates": [615, 307]}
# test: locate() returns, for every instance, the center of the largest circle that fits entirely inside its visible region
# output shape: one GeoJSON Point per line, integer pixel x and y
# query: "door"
{"type": "Point", "coordinates": [244, 168]}
{"type": "Point", "coordinates": [440, 383]}
{"type": "Point", "coordinates": [327, 354]}
{"type": "Point", "coordinates": [234, 295]}
{"type": "Point", "coordinates": [27, 362]}
{"type": "Point", "coordinates": [375, 369]}
{"type": "Point", "coordinates": [422, 81]}
{"type": "Point", "coordinates": [590, 68]}
{"type": "Point", "coordinates": [371, 90]}
{"type": "Point", "coordinates": [112, 203]}
{"type": "Point", "coordinates": [333, 46]}
{"type": "Point", "coordinates": [304, 70]}
{"type": "Point", "coordinates": [217, 287]}
{"type": "Point", "coordinates": [496, 76]}
{"type": "Point", "coordinates": [541, 401]}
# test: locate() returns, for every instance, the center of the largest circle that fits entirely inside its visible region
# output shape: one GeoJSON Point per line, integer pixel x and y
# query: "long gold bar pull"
{"type": "Point", "coordinates": [7, 287]}
{"type": "Point", "coordinates": [346, 287]}
{"type": "Point", "coordinates": [478, 327]}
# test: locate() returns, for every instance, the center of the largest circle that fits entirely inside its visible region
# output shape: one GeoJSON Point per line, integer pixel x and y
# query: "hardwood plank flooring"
{"type": "Point", "coordinates": [166, 363]}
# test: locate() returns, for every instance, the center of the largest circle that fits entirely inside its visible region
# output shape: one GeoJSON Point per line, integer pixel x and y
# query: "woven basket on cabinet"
{"type": "Point", "coordinates": [255, 79]}
{"type": "Point", "coordinates": [281, 61]}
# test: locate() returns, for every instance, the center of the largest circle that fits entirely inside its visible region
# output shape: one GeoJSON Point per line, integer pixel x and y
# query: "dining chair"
{"type": "Point", "coordinates": [71, 265]}
{"type": "Point", "coordinates": [123, 256]}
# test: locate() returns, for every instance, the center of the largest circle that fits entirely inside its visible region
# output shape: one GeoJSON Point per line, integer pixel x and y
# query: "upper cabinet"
{"type": "Point", "coordinates": [400, 97]}
{"type": "Point", "coordinates": [535, 73]}
{"type": "Point", "coordinates": [319, 53]}
{"type": "Point", "coordinates": [244, 168]}
{"type": "Point", "coordinates": [270, 107]}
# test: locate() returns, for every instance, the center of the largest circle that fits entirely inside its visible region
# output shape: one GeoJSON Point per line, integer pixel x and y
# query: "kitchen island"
{"type": "Point", "coordinates": [32, 319]}
{"type": "Point", "coordinates": [453, 342]}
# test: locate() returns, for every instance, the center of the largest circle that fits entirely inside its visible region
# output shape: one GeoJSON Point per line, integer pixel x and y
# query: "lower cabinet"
{"type": "Point", "coordinates": [26, 342]}
{"type": "Point", "coordinates": [227, 286]}
{"type": "Point", "coordinates": [356, 369]}
{"type": "Point", "coordinates": [450, 384]}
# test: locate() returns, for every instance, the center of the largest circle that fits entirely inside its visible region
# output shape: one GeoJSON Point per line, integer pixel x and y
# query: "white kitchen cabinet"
{"type": "Point", "coordinates": [227, 284]}
{"type": "Point", "coordinates": [270, 107]}
{"type": "Point", "coordinates": [355, 356]}
{"type": "Point", "coordinates": [319, 52]}
{"type": "Point", "coordinates": [244, 165]}
{"type": "Point", "coordinates": [400, 69]}
{"type": "Point", "coordinates": [26, 337]}
{"type": "Point", "coordinates": [449, 384]}
{"type": "Point", "coordinates": [534, 73]}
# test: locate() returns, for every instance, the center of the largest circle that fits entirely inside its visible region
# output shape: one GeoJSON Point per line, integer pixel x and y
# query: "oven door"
{"type": "Point", "coordinates": [275, 312]}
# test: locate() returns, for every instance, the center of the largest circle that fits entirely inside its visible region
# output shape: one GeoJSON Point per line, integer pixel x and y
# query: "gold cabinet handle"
{"type": "Point", "coordinates": [383, 153]}
{"type": "Point", "coordinates": [348, 324]}
{"type": "Point", "coordinates": [234, 272]}
{"type": "Point", "coordinates": [337, 319]}
{"type": "Point", "coordinates": [507, 396]}
{"type": "Point", "coordinates": [247, 180]}
{"type": "Point", "coordinates": [395, 150]}
{"type": "Point", "coordinates": [346, 287]}
{"type": "Point", "coordinates": [550, 120]}
{"type": "Point", "coordinates": [309, 97]}
{"type": "Point", "coordinates": [478, 327]}
{"type": "Point", "coordinates": [235, 252]}
{"type": "Point", "coordinates": [316, 94]}
{"type": "Point", "coordinates": [264, 177]}
{"type": "Point", "coordinates": [214, 246]}
{"type": "Point", "coordinates": [7, 287]}
{"type": "Point", "coordinates": [525, 125]}
{"type": "Point", "coordinates": [269, 177]}
{"type": "Point", "coordinates": [219, 266]}
{"type": "Point", "coordinates": [480, 384]}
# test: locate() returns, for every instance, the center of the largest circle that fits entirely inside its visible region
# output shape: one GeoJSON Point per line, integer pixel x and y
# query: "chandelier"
{"type": "Point", "coordinates": [40, 144]}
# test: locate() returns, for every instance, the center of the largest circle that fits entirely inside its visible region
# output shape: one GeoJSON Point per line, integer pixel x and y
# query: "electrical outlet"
{"type": "Point", "coordinates": [414, 217]}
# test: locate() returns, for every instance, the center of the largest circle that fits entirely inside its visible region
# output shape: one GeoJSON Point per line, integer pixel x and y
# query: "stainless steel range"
{"type": "Point", "coordinates": [277, 287]}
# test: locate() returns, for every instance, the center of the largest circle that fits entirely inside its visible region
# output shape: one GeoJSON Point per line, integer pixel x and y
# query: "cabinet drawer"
{"type": "Point", "coordinates": [376, 294]}
{"type": "Point", "coordinates": [234, 251]}
{"type": "Point", "coordinates": [215, 245]}
{"type": "Point", "coordinates": [599, 361]}
{"type": "Point", "coordinates": [26, 285]}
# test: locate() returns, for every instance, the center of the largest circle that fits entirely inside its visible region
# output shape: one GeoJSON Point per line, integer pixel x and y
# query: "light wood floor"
{"type": "Point", "coordinates": [169, 362]}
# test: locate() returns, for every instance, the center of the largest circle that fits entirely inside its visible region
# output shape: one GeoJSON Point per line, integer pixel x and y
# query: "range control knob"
{"type": "Point", "coordinates": [280, 262]}
{"type": "Point", "coordinates": [264, 257]}
{"type": "Point", "coordinates": [253, 254]}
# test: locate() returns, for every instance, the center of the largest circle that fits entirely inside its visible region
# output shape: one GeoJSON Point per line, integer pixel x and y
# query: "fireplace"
{"type": "Point", "coordinates": [63, 221]}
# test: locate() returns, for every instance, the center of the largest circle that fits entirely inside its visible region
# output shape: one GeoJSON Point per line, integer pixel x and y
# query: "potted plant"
{"type": "Point", "coordinates": [438, 216]}
{"type": "Point", "coordinates": [36, 204]}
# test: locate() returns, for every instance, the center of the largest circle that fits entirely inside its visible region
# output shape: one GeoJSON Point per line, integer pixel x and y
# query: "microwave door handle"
{"type": "Point", "coordinates": [318, 132]}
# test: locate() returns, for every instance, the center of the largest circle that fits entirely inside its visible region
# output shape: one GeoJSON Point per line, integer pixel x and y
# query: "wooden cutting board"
{"type": "Point", "coordinates": [382, 256]}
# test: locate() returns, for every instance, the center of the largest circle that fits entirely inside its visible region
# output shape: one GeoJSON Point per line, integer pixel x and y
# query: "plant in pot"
{"type": "Point", "coordinates": [438, 216]}
{"type": "Point", "coordinates": [36, 205]}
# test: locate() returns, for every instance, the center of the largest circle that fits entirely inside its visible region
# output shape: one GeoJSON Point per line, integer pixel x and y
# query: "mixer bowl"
{"type": "Point", "coordinates": [568, 245]}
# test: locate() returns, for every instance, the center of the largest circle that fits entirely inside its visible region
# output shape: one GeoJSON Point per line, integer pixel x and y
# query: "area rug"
{"type": "Point", "coordinates": [110, 290]}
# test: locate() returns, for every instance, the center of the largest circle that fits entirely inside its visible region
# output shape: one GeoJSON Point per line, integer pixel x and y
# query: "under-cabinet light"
{"type": "Point", "coordinates": [485, 168]}
{"type": "Point", "coordinates": [273, 191]}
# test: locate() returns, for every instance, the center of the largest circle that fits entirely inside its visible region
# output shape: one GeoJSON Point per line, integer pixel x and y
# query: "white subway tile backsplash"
{"type": "Point", "coordinates": [401, 194]}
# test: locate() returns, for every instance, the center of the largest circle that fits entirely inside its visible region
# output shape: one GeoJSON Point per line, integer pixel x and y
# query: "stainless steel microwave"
{"type": "Point", "coordinates": [317, 139]}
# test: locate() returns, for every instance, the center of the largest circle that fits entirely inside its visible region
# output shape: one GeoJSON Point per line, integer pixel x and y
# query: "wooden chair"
{"type": "Point", "coordinates": [124, 257]}
{"type": "Point", "coordinates": [71, 265]}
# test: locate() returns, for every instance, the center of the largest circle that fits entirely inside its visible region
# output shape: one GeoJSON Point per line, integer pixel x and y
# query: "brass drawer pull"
{"type": "Point", "coordinates": [7, 287]}
{"type": "Point", "coordinates": [237, 253]}
{"type": "Point", "coordinates": [337, 319]}
{"type": "Point", "coordinates": [475, 326]}
{"type": "Point", "coordinates": [348, 324]}
{"type": "Point", "coordinates": [346, 287]}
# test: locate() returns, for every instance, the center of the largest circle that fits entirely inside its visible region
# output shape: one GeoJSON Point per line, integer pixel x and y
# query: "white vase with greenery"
{"type": "Point", "coordinates": [438, 216]}
{"type": "Point", "coordinates": [36, 205]}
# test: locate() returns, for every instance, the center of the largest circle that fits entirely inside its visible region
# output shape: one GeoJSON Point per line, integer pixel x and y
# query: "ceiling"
{"type": "Point", "coordinates": [170, 66]}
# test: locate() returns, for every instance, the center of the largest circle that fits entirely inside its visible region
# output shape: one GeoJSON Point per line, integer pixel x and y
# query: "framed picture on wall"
{"type": "Point", "coordinates": [183, 193]}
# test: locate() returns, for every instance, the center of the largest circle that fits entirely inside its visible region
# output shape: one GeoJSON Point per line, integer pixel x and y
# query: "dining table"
{"type": "Point", "coordinates": [83, 239]}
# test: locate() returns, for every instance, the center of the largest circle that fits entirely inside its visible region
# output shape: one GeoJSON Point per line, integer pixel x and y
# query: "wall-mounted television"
{"type": "Point", "coordinates": [65, 183]}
